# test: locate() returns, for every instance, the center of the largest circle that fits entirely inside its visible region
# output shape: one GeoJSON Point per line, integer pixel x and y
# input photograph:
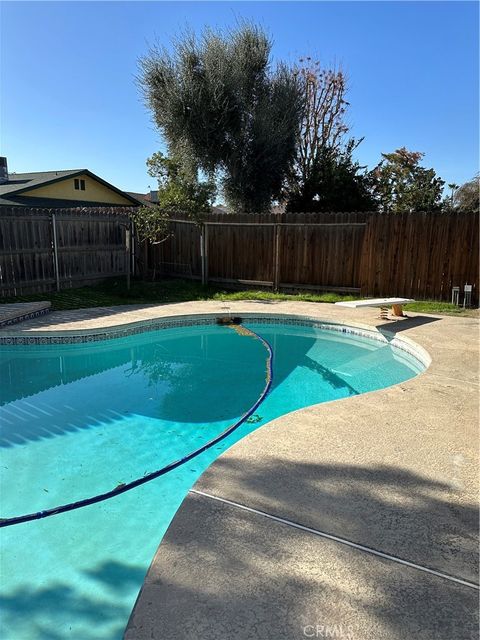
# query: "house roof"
{"type": "Point", "coordinates": [219, 208]}
{"type": "Point", "coordinates": [19, 183]}
{"type": "Point", "coordinates": [144, 198]}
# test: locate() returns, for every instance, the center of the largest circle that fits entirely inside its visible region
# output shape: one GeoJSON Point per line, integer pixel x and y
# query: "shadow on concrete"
{"type": "Point", "coordinates": [78, 315]}
{"type": "Point", "coordinates": [376, 506]}
{"type": "Point", "coordinates": [409, 322]}
{"type": "Point", "coordinates": [228, 573]}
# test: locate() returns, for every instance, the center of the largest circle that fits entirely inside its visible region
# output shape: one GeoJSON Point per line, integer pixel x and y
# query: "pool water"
{"type": "Point", "coordinates": [78, 420]}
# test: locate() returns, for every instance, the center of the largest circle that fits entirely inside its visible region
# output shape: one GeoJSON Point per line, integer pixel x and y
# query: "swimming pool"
{"type": "Point", "coordinates": [81, 419]}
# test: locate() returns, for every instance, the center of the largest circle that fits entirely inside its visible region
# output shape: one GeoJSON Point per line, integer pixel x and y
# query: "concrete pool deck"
{"type": "Point", "coordinates": [19, 312]}
{"type": "Point", "coordinates": [282, 536]}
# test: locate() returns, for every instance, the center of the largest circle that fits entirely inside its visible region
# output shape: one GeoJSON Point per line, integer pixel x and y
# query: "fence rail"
{"type": "Point", "coordinates": [418, 255]}
{"type": "Point", "coordinates": [47, 249]}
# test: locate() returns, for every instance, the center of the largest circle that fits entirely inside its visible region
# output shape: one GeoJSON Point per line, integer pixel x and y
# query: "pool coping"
{"type": "Point", "coordinates": [87, 336]}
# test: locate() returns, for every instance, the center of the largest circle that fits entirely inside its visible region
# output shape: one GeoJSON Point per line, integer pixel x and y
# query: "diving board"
{"type": "Point", "coordinates": [395, 303]}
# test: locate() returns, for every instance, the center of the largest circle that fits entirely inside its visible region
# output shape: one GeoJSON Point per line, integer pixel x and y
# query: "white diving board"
{"type": "Point", "coordinates": [383, 303]}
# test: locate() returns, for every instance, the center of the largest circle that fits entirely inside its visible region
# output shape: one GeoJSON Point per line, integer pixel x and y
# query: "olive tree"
{"type": "Point", "coordinates": [223, 109]}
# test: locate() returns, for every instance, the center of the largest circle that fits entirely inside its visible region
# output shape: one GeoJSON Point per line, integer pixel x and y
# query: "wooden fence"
{"type": "Point", "coordinates": [48, 249]}
{"type": "Point", "coordinates": [418, 255]}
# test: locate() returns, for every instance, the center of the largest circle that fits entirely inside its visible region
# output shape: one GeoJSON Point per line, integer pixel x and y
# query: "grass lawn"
{"type": "Point", "coordinates": [114, 292]}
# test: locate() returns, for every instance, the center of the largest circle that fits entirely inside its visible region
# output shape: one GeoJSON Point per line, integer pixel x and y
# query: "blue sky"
{"type": "Point", "coordinates": [68, 97]}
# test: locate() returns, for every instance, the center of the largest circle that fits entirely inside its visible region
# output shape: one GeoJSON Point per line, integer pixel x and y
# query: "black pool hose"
{"type": "Point", "coordinates": [123, 488]}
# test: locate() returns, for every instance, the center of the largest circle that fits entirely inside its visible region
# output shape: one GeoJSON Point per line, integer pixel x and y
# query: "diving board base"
{"type": "Point", "coordinates": [396, 305]}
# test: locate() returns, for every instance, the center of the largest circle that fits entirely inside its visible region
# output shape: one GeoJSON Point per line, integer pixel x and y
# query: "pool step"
{"type": "Point", "coordinates": [20, 311]}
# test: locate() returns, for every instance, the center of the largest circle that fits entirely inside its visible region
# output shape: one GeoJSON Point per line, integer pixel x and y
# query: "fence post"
{"type": "Point", "coordinates": [128, 251]}
{"type": "Point", "coordinates": [202, 251]}
{"type": "Point", "coordinates": [276, 257]}
{"type": "Point", "coordinates": [205, 254]}
{"type": "Point", "coordinates": [55, 251]}
{"type": "Point", "coordinates": [133, 236]}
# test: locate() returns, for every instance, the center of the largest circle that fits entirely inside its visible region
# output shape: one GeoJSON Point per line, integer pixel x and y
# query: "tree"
{"type": "Point", "coordinates": [324, 176]}
{"type": "Point", "coordinates": [334, 183]}
{"type": "Point", "coordinates": [323, 108]}
{"type": "Point", "coordinates": [449, 200]}
{"type": "Point", "coordinates": [179, 191]}
{"type": "Point", "coordinates": [401, 184]}
{"type": "Point", "coordinates": [222, 109]}
{"type": "Point", "coordinates": [466, 197]}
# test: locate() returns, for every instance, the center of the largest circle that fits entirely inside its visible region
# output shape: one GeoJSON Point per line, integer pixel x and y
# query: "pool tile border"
{"type": "Point", "coordinates": [111, 333]}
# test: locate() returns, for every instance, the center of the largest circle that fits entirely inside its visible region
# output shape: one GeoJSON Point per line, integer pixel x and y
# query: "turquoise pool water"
{"type": "Point", "coordinates": [78, 420]}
